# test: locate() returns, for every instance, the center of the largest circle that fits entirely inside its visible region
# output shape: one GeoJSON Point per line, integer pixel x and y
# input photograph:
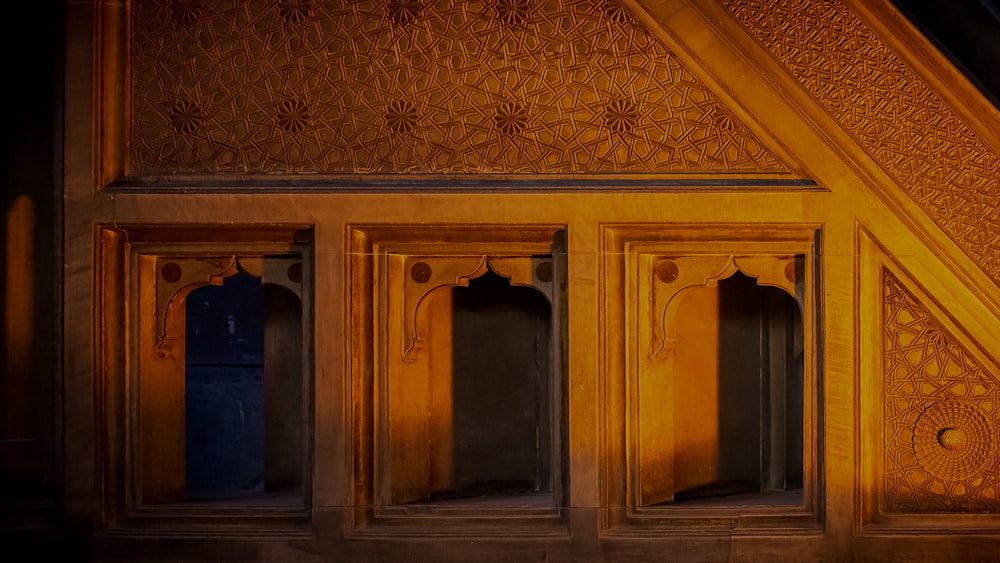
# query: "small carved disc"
{"type": "Point", "coordinates": [952, 439]}
{"type": "Point", "coordinates": [666, 271]}
{"type": "Point", "coordinates": [544, 271]}
{"type": "Point", "coordinates": [420, 272]}
{"type": "Point", "coordinates": [294, 272]}
{"type": "Point", "coordinates": [171, 272]}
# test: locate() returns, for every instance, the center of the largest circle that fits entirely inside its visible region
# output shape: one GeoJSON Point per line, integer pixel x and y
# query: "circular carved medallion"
{"type": "Point", "coordinates": [420, 272]}
{"type": "Point", "coordinates": [952, 440]}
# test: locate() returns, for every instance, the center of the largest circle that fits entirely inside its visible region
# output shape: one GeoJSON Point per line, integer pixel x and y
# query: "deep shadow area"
{"type": "Point", "coordinates": [501, 390]}
{"type": "Point", "coordinates": [32, 484]}
{"type": "Point", "coordinates": [760, 394]}
{"type": "Point", "coordinates": [967, 32]}
{"type": "Point", "coordinates": [224, 393]}
{"type": "Point", "coordinates": [243, 389]}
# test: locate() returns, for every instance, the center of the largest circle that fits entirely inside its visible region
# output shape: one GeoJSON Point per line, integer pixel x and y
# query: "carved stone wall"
{"type": "Point", "coordinates": [942, 409]}
{"type": "Point", "coordinates": [412, 86]}
{"type": "Point", "coordinates": [904, 125]}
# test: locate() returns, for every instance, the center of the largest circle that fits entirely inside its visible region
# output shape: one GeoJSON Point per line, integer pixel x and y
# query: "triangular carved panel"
{"type": "Point", "coordinates": [411, 86]}
{"type": "Point", "coordinates": [906, 127]}
{"type": "Point", "coordinates": [942, 413]}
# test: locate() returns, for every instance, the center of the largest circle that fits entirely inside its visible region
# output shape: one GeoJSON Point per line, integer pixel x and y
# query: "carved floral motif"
{"type": "Point", "coordinates": [934, 155]}
{"type": "Point", "coordinates": [185, 12]}
{"type": "Point", "coordinates": [513, 12]}
{"type": "Point", "coordinates": [511, 118]}
{"type": "Point", "coordinates": [404, 12]}
{"type": "Point", "coordinates": [942, 410]}
{"type": "Point", "coordinates": [461, 64]}
{"type": "Point", "coordinates": [295, 11]}
{"type": "Point", "coordinates": [621, 116]}
{"type": "Point", "coordinates": [293, 115]}
{"type": "Point", "coordinates": [185, 116]}
{"type": "Point", "coordinates": [402, 116]}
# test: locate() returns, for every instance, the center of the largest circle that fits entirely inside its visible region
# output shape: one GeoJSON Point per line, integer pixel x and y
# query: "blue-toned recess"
{"type": "Point", "coordinates": [225, 387]}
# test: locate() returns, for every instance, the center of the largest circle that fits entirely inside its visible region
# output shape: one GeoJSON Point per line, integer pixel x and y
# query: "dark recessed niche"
{"type": "Point", "coordinates": [459, 339]}
{"type": "Point", "coordinates": [224, 387]}
{"type": "Point", "coordinates": [500, 435]}
{"type": "Point", "coordinates": [243, 389]}
{"type": "Point", "coordinates": [738, 415]}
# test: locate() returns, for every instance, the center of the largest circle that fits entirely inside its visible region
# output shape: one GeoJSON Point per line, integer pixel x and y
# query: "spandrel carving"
{"type": "Point", "coordinates": [941, 411]}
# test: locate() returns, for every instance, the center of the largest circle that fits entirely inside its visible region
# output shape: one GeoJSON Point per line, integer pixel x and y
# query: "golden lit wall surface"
{"type": "Point", "coordinates": [756, 241]}
{"type": "Point", "coordinates": [406, 86]}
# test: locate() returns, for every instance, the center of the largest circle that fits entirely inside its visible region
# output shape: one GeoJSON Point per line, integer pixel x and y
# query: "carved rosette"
{"type": "Point", "coordinates": [952, 440]}
{"type": "Point", "coordinates": [941, 413]}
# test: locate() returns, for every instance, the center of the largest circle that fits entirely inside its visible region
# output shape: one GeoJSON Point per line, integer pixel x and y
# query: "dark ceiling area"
{"type": "Point", "coordinates": [967, 31]}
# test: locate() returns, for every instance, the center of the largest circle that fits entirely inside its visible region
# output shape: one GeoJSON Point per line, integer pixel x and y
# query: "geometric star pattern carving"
{"type": "Point", "coordinates": [943, 164]}
{"type": "Point", "coordinates": [410, 86]}
{"type": "Point", "coordinates": [928, 373]}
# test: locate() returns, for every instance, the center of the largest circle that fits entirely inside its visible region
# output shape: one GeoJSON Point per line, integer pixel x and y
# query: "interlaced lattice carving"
{"type": "Point", "coordinates": [941, 413]}
{"type": "Point", "coordinates": [390, 86]}
{"type": "Point", "coordinates": [934, 155]}
{"type": "Point", "coordinates": [614, 11]}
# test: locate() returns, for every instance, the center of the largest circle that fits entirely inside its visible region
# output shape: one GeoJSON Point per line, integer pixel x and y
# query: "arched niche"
{"type": "Point", "coordinates": [472, 380]}
{"type": "Point", "coordinates": [265, 397]}
{"type": "Point", "coordinates": [489, 400]}
{"type": "Point", "coordinates": [721, 389]}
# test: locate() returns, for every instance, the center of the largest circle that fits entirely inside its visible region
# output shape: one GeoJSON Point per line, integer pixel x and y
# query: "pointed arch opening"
{"type": "Point", "coordinates": [737, 397]}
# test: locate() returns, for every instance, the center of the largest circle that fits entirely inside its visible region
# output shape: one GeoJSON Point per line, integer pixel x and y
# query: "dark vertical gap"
{"type": "Point", "coordinates": [766, 379]}
{"type": "Point", "coordinates": [795, 396]}
{"type": "Point", "coordinates": [30, 171]}
{"type": "Point", "coordinates": [740, 367]}
{"type": "Point", "coordinates": [283, 430]}
{"type": "Point", "coordinates": [52, 33]}
{"type": "Point", "coordinates": [224, 387]}
{"type": "Point", "coordinates": [543, 438]}
{"type": "Point", "coordinates": [500, 357]}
